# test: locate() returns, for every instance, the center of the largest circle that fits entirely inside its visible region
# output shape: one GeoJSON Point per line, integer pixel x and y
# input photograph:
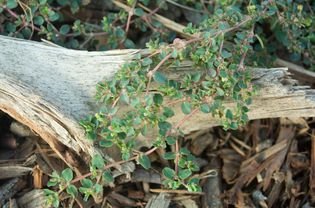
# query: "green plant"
{"type": "Point", "coordinates": [230, 36]}
{"type": "Point", "coordinates": [218, 76]}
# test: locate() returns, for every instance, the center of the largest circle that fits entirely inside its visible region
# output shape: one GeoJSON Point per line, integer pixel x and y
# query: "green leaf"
{"type": "Point", "coordinates": [169, 156]}
{"type": "Point", "coordinates": [170, 140]}
{"type": "Point", "coordinates": [86, 183]}
{"type": "Point", "coordinates": [144, 130]}
{"type": "Point", "coordinates": [223, 25]}
{"type": "Point", "coordinates": [225, 54]}
{"type": "Point", "coordinates": [52, 198]}
{"type": "Point", "coordinates": [67, 174]}
{"type": "Point", "coordinates": [168, 173]}
{"type": "Point", "coordinates": [212, 72]}
{"type": "Point", "coordinates": [98, 161]}
{"type": "Point", "coordinates": [220, 92]}
{"type": "Point", "coordinates": [168, 112]}
{"type": "Point", "coordinates": [205, 108]}
{"type": "Point", "coordinates": [134, 102]}
{"type": "Point", "coordinates": [174, 53]}
{"type": "Point", "coordinates": [193, 181]}
{"type": "Point", "coordinates": [234, 125]}
{"type": "Point", "coordinates": [73, 43]}
{"type": "Point", "coordinates": [72, 190]}
{"type": "Point", "coordinates": [137, 121]}
{"type": "Point", "coordinates": [129, 43]}
{"type": "Point", "coordinates": [106, 143]}
{"type": "Point", "coordinates": [138, 12]}
{"type": "Point", "coordinates": [194, 187]}
{"type": "Point", "coordinates": [130, 2]}
{"type": "Point", "coordinates": [125, 155]}
{"type": "Point", "coordinates": [148, 99]}
{"type": "Point", "coordinates": [164, 127]}
{"type": "Point", "coordinates": [74, 6]}
{"type": "Point", "coordinates": [124, 97]}
{"type": "Point", "coordinates": [91, 135]}
{"type": "Point", "coordinates": [98, 188]}
{"type": "Point", "coordinates": [62, 2]}
{"type": "Point", "coordinates": [87, 192]}
{"type": "Point", "coordinates": [113, 111]}
{"type": "Point", "coordinates": [11, 4]}
{"type": "Point", "coordinates": [196, 77]}
{"type": "Point", "coordinates": [146, 61]}
{"type": "Point", "coordinates": [248, 101]}
{"type": "Point", "coordinates": [10, 27]}
{"type": "Point", "coordinates": [245, 109]}
{"type": "Point", "coordinates": [242, 84]}
{"type": "Point", "coordinates": [145, 2]}
{"type": "Point", "coordinates": [223, 74]}
{"type": "Point", "coordinates": [184, 151]}
{"type": "Point", "coordinates": [53, 16]}
{"type": "Point", "coordinates": [42, 2]}
{"type": "Point", "coordinates": [229, 114]}
{"type": "Point", "coordinates": [186, 107]}
{"type": "Point", "coordinates": [144, 161]}
{"type": "Point", "coordinates": [64, 29]}
{"type": "Point", "coordinates": [108, 177]}
{"type": "Point", "coordinates": [182, 163]}
{"type": "Point", "coordinates": [119, 32]}
{"type": "Point", "coordinates": [160, 78]}
{"type": "Point", "coordinates": [244, 118]}
{"type": "Point", "coordinates": [157, 99]}
{"type": "Point", "coordinates": [173, 184]}
{"type": "Point", "coordinates": [51, 183]}
{"type": "Point", "coordinates": [183, 174]}
{"type": "Point", "coordinates": [38, 20]}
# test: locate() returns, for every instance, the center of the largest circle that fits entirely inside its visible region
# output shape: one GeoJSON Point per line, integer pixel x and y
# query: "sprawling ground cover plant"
{"type": "Point", "coordinates": [221, 39]}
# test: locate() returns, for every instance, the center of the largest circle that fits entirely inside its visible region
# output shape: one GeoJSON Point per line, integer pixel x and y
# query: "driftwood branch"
{"type": "Point", "coordinates": [49, 89]}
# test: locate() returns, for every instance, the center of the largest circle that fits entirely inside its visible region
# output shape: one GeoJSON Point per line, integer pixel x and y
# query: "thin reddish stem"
{"type": "Point", "coordinates": [112, 165]}
{"type": "Point", "coordinates": [151, 73]}
{"type": "Point", "coordinates": [181, 122]}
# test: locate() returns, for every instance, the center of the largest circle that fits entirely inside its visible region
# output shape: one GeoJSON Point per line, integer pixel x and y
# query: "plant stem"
{"type": "Point", "coordinates": [151, 73]}
{"type": "Point", "coordinates": [150, 151]}
{"type": "Point", "coordinates": [181, 122]}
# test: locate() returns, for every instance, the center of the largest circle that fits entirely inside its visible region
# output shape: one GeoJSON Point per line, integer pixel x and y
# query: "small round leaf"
{"type": "Point", "coordinates": [108, 177]}
{"type": "Point", "coordinates": [38, 20]}
{"type": "Point", "coordinates": [138, 12]}
{"type": "Point", "coordinates": [186, 107]}
{"type": "Point", "coordinates": [64, 29]}
{"type": "Point", "coordinates": [169, 156]}
{"type": "Point", "coordinates": [67, 174]}
{"type": "Point", "coordinates": [11, 4]}
{"type": "Point", "coordinates": [72, 190]}
{"type": "Point", "coordinates": [160, 78]}
{"type": "Point", "coordinates": [105, 143]}
{"type": "Point", "coordinates": [205, 108]}
{"type": "Point", "coordinates": [183, 174]}
{"type": "Point", "coordinates": [98, 161]}
{"type": "Point", "coordinates": [144, 161]}
{"type": "Point", "coordinates": [168, 173]}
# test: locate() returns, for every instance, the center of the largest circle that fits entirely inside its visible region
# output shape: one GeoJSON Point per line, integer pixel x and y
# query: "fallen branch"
{"type": "Point", "coordinates": [50, 89]}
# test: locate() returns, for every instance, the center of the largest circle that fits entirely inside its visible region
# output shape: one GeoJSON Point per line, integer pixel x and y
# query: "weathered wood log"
{"type": "Point", "coordinates": [34, 198]}
{"type": "Point", "coordinates": [10, 188]}
{"type": "Point", "coordinates": [49, 89]}
{"type": "Point", "coordinates": [159, 201]}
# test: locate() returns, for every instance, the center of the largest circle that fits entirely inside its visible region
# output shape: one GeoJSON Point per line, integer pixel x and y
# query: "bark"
{"type": "Point", "coordinates": [50, 89]}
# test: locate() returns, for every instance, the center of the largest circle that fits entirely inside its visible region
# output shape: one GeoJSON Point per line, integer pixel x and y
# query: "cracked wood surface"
{"type": "Point", "coordinates": [51, 88]}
